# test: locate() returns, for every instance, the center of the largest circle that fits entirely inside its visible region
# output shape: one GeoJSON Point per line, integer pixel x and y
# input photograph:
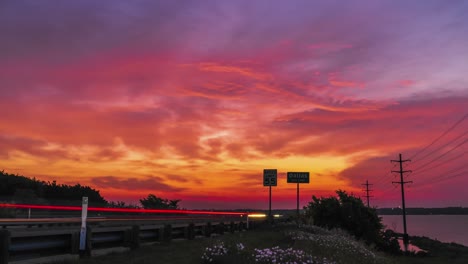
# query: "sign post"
{"type": "Point", "coordinates": [297, 201]}
{"type": "Point", "coordinates": [270, 179]}
{"type": "Point", "coordinates": [84, 215]}
{"type": "Point", "coordinates": [298, 177]}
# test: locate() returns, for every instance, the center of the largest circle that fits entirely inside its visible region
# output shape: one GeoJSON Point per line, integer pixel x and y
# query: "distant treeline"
{"type": "Point", "coordinates": [424, 211]}
{"type": "Point", "coordinates": [20, 189]}
{"type": "Point", "coordinates": [16, 188]}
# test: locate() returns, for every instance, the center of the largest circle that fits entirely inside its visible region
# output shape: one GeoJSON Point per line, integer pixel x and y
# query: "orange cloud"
{"type": "Point", "coordinates": [214, 67]}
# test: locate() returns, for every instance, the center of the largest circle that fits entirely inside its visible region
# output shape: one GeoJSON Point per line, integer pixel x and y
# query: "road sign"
{"type": "Point", "coordinates": [270, 177]}
{"type": "Point", "coordinates": [298, 177]}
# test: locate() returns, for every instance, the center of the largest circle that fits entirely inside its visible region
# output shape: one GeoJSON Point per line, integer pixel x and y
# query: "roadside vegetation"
{"type": "Point", "coordinates": [337, 229]}
{"type": "Point", "coordinates": [348, 213]}
{"type": "Point", "coordinates": [21, 189]}
{"type": "Point", "coordinates": [278, 243]}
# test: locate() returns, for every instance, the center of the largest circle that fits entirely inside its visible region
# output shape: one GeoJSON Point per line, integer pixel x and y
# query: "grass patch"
{"type": "Point", "coordinates": [281, 243]}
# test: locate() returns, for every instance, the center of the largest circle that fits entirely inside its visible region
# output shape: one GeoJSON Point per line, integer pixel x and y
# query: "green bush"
{"type": "Point", "coordinates": [346, 212]}
{"type": "Point", "coordinates": [349, 213]}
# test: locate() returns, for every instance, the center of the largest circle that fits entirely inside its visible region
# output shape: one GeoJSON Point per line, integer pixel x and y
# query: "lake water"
{"type": "Point", "coordinates": [445, 228]}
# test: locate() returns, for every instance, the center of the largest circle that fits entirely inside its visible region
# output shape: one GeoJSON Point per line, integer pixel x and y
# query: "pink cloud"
{"type": "Point", "coordinates": [407, 83]}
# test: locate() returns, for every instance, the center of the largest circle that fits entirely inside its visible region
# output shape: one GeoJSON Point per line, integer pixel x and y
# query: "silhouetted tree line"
{"type": "Point", "coordinates": [121, 204]}
{"type": "Point", "coordinates": [153, 202]}
{"type": "Point", "coordinates": [22, 189]}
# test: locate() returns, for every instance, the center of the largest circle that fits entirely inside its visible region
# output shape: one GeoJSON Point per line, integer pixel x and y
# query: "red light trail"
{"type": "Point", "coordinates": [117, 210]}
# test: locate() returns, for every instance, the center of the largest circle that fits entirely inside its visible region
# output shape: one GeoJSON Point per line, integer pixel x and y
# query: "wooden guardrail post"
{"type": "Point", "coordinates": [167, 233]}
{"type": "Point", "coordinates": [207, 229]}
{"type": "Point", "coordinates": [232, 227]}
{"type": "Point", "coordinates": [4, 246]}
{"type": "Point", "coordinates": [132, 237]}
{"type": "Point", "coordinates": [161, 234]}
{"type": "Point", "coordinates": [75, 242]}
{"type": "Point", "coordinates": [136, 236]}
{"type": "Point", "coordinates": [190, 231]}
{"type": "Point", "coordinates": [221, 228]}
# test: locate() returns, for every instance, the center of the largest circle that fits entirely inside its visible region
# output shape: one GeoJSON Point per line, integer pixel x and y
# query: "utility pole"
{"type": "Point", "coordinates": [402, 183]}
{"type": "Point", "coordinates": [367, 184]}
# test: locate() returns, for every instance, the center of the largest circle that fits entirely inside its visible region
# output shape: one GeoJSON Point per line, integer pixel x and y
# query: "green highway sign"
{"type": "Point", "coordinates": [298, 177]}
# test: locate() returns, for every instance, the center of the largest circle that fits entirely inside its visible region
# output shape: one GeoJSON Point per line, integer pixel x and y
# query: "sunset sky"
{"type": "Point", "coordinates": [191, 100]}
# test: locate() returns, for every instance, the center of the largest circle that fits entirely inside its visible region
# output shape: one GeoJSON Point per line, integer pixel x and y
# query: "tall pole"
{"type": "Point", "coordinates": [298, 201]}
{"type": "Point", "coordinates": [402, 183]}
{"type": "Point", "coordinates": [367, 192]}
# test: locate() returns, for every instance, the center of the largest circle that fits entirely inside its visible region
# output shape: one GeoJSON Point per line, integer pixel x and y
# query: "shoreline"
{"type": "Point", "coordinates": [427, 245]}
{"type": "Point", "coordinates": [444, 228]}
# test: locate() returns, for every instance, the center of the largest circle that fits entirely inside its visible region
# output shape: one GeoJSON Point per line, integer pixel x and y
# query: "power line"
{"type": "Point", "coordinates": [383, 179]}
{"type": "Point", "coordinates": [439, 148]}
{"type": "Point", "coordinates": [443, 178]}
{"type": "Point", "coordinates": [451, 176]}
{"type": "Point", "coordinates": [392, 188]}
{"type": "Point", "coordinates": [443, 134]}
{"type": "Point", "coordinates": [442, 155]}
{"type": "Point", "coordinates": [447, 175]}
{"type": "Point", "coordinates": [439, 164]}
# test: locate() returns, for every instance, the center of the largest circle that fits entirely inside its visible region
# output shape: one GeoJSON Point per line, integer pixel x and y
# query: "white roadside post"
{"type": "Point", "coordinates": [84, 215]}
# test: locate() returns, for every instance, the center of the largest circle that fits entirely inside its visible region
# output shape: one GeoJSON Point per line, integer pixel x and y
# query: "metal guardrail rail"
{"type": "Point", "coordinates": [20, 240]}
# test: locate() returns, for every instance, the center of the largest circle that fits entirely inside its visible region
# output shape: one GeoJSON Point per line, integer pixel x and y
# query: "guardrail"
{"type": "Point", "coordinates": [22, 242]}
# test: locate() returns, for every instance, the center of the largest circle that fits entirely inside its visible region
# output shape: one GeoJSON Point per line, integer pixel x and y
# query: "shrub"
{"type": "Point", "coordinates": [346, 212]}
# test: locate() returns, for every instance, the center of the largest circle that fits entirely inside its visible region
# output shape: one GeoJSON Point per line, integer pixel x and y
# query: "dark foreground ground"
{"type": "Point", "coordinates": [311, 244]}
